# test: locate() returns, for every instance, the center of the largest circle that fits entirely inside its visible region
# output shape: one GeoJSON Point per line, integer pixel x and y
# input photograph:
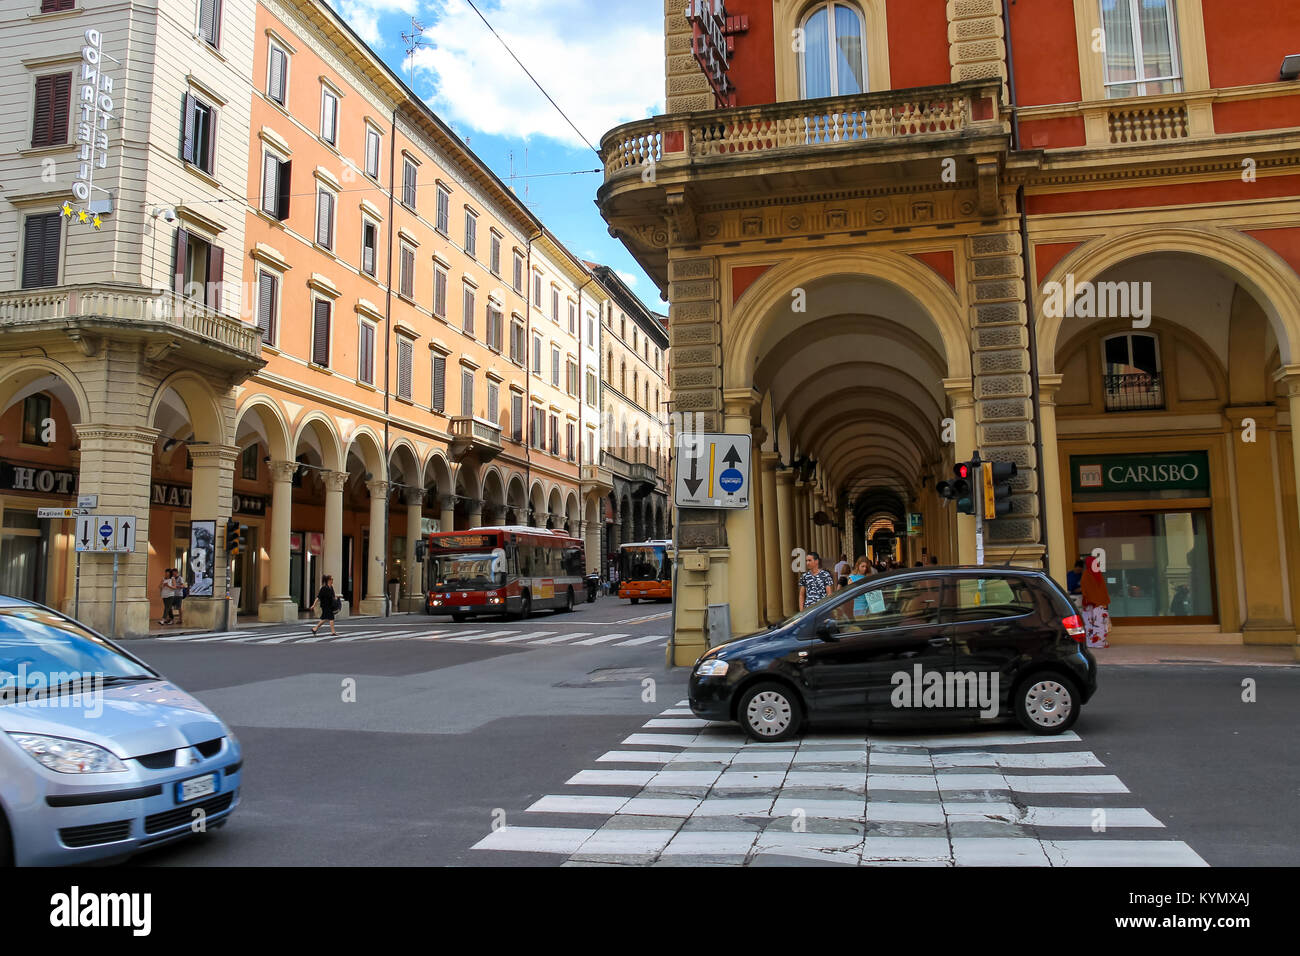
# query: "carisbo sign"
{"type": "Point", "coordinates": [1177, 471]}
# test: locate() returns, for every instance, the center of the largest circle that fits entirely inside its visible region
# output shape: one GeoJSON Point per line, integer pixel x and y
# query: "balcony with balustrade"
{"type": "Point", "coordinates": [166, 325]}
{"type": "Point", "coordinates": [474, 436]}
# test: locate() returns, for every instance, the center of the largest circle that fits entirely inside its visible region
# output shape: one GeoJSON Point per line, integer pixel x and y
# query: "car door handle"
{"type": "Point", "coordinates": [937, 641]}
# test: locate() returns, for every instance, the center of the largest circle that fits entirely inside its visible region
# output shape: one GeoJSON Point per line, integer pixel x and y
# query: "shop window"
{"type": "Point", "coordinates": [1141, 53]}
{"type": "Point", "coordinates": [1131, 377]}
{"type": "Point", "coordinates": [834, 61]}
{"type": "Point", "coordinates": [36, 413]}
{"type": "Point", "coordinates": [1158, 563]}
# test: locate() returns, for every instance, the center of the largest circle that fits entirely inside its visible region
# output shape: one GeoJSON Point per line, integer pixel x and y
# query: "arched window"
{"type": "Point", "coordinates": [834, 58]}
{"type": "Point", "coordinates": [622, 378]}
{"type": "Point", "coordinates": [1131, 374]}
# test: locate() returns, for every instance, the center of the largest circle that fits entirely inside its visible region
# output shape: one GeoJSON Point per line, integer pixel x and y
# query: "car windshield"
{"type": "Point", "coordinates": [41, 651]}
{"type": "Point", "coordinates": [647, 563]}
{"type": "Point", "coordinates": [465, 571]}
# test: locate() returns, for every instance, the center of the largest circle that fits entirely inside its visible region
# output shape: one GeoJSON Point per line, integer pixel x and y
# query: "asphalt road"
{"type": "Point", "coordinates": [445, 736]}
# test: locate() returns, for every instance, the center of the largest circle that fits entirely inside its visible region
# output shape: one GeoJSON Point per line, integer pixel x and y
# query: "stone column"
{"type": "Point", "coordinates": [773, 562]}
{"type": "Point", "coordinates": [279, 606]}
{"type": "Point", "coordinates": [116, 464]}
{"type": "Point", "coordinates": [376, 579]}
{"type": "Point", "coordinates": [333, 557]}
{"type": "Point", "coordinates": [802, 538]}
{"type": "Point", "coordinates": [1053, 511]}
{"type": "Point", "coordinates": [447, 517]}
{"type": "Point", "coordinates": [591, 533]}
{"type": "Point", "coordinates": [962, 397]}
{"type": "Point", "coordinates": [785, 531]}
{"type": "Point", "coordinates": [414, 593]}
{"type": "Point", "coordinates": [211, 499]}
{"type": "Point", "coordinates": [1291, 375]}
{"type": "Point", "coordinates": [476, 514]}
{"type": "Point", "coordinates": [742, 531]}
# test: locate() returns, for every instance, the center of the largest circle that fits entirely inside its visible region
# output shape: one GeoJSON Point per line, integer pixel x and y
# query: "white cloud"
{"type": "Point", "coordinates": [363, 17]}
{"type": "Point", "coordinates": [629, 278]}
{"type": "Point", "coordinates": [600, 60]}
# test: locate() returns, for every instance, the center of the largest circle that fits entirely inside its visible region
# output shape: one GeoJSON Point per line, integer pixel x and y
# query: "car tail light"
{"type": "Point", "coordinates": [1073, 627]}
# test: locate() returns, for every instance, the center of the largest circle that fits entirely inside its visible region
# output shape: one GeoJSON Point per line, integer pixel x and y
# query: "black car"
{"type": "Point", "coordinates": [933, 642]}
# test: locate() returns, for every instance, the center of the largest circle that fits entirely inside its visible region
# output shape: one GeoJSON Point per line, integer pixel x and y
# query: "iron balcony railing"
{"type": "Point", "coordinates": [1134, 391]}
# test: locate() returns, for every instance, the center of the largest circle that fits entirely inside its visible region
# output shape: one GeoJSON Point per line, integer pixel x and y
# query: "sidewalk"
{"type": "Point", "coordinates": [1237, 655]}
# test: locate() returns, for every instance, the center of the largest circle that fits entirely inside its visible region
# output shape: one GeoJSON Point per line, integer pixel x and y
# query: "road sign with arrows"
{"type": "Point", "coordinates": [106, 533]}
{"type": "Point", "coordinates": [712, 471]}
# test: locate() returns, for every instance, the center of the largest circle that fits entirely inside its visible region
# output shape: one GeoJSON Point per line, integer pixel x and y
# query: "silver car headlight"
{"type": "Point", "coordinates": [711, 668]}
{"type": "Point", "coordinates": [68, 756]}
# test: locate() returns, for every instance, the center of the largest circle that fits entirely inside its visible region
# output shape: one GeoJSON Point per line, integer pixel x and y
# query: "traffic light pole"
{"type": "Point", "coordinates": [977, 496]}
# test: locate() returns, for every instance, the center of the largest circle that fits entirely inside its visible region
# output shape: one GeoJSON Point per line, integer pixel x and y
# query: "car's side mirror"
{"type": "Point", "coordinates": [829, 630]}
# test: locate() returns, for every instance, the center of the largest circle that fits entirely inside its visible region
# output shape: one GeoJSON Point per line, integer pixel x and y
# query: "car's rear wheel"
{"type": "Point", "coordinates": [1048, 703]}
{"type": "Point", "coordinates": [770, 711]}
{"type": "Point", "coordinates": [526, 606]}
{"type": "Point", "coordinates": [634, 600]}
{"type": "Point", "coordinates": [569, 601]}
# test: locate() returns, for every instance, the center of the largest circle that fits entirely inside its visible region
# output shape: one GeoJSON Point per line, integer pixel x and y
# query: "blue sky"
{"type": "Point", "coordinates": [600, 60]}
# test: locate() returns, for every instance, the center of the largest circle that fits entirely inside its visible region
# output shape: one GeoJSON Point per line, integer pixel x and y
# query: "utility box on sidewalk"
{"type": "Point", "coordinates": [719, 624]}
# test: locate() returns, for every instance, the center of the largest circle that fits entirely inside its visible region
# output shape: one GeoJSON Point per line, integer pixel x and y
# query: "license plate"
{"type": "Point", "coordinates": [196, 787]}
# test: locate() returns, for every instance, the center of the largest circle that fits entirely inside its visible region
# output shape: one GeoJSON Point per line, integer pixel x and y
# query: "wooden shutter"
{"type": "Point", "coordinates": [439, 293]}
{"type": "Point", "coordinates": [50, 111]}
{"type": "Point", "coordinates": [469, 311]}
{"type": "Point", "coordinates": [266, 295]}
{"type": "Point", "coordinates": [365, 353]}
{"type": "Point", "coordinates": [270, 184]}
{"type": "Point", "coordinates": [179, 249]}
{"type": "Point", "coordinates": [517, 416]}
{"type": "Point", "coordinates": [41, 236]}
{"type": "Point", "coordinates": [466, 392]}
{"type": "Point", "coordinates": [405, 352]}
{"type": "Point", "coordinates": [330, 117]}
{"type": "Point", "coordinates": [325, 218]}
{"type": "Point", "coordinates": [439, 383]}
{"type": "Point", "coordinates": [277, 75]}
{"type": "Point", "coordinates": [216, 276]}
{"type": "Point", "coordinates": [494, 402]}
{"type": "Point", "coordinates": [207, 20]}
{"type": "Point", "coordinates": [408, 272]}
{"type": "Point", "coordinates": [572, 452]}
{"type": "Point", "coordinates": [53, 6]}
{"type": "Point", "coordinates": [282, 190]}
{"type": "Point", "coordinates": [408, 183]}
{"type": "Point", "coordinates": [320, 333]}
{"type": "Point", "coordinates": [368, 234]}
{"type": "Point", "coordinates": [187, 128]}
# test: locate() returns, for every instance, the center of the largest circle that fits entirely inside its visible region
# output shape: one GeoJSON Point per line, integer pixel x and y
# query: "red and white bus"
{"type": "Point", "coordinates": [506, 570]}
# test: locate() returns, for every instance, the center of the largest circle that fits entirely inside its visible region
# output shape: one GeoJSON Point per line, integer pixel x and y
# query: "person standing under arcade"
{"type": "Point", "coordinates": [1096, 603]}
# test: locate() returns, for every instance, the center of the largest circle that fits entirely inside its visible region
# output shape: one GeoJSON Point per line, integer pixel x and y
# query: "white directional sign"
{"type": "Point", "coordinates": [88, 501]}
{"type": "Point", "coordinates": [712, 471]}
{"type": "Point", "coordinates": [59, 512]}
{"type": "Point", "coordinates": [85, 532]}
{"type": "Point", "coordinates": [106, 533]}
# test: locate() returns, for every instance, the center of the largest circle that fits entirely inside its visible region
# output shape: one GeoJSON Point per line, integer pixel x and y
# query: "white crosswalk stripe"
{"type": "Point", "coordinates": [368, 634]}
{"type": "Point", "coordinates": [599, 640]}
{"type": "Point", "coordinates": [707, 793]}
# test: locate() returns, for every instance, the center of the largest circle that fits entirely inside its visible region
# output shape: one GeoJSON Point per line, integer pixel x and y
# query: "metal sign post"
{"type": "Point", "coordinates": [112, 618]}
{"type": "Point", "coordinates": [978, 508]}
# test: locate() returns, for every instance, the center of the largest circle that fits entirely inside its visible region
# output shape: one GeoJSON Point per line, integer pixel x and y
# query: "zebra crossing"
{"type": "Point", "coordinates": [685, 791]}
{"type": "Point", "coordinates": [451, 634]}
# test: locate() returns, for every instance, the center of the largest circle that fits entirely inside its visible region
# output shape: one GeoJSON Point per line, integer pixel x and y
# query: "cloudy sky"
{"type": "Point", "coordinates": [600, 60]}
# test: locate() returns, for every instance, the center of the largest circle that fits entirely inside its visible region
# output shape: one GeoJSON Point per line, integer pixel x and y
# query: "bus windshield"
{"type": "Point", "coordinates": [645, 563]}
{"type": "Point", "coordinates": [468, 571]}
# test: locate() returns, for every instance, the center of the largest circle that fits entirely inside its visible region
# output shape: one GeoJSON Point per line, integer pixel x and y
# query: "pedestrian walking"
{"type": "Point", "coordinates": [862, 569]}
{"type": "Point", "coordinates": [329, 604]}
{"type": "Point", "coordinates": [167, 590]}
{"type": "Point", "coordinates": [842, 567]}
{"type": "Point", "coordinates": [1096, 605]}
{"type": "Point", "coordinates": [816, 582]}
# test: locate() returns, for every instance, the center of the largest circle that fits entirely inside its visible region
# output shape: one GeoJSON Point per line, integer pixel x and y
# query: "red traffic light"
{"type": "Point", "coordinates": [961, 471]}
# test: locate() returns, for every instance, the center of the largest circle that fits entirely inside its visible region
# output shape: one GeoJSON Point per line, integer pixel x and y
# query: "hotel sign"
{"type": "Point", "coordinates": [713, 43]}
{"type": "Point", "coordinates": [96, 111]}
{"type": "Point", "coordinates": [1183, 471]}
{"type": "Point", "coordinates": [16, 476]}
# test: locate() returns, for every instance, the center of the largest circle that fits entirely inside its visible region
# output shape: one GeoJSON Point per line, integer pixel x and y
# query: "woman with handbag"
{"type": "Point", "coordinates": [328, 604]}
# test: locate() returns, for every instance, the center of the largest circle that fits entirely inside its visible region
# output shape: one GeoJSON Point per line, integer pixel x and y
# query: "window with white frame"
{"type": "Point", "coordinates": [268, 304]}
{"type": "Point", "coordinates": [199, 133]}
{"type": "Point", "coordinates": [555, 304]}
{"type": "Point", "coordinates": [369, 246]}
{"type": "Point", "coordinates": [1141, 48]}
{"type": "Point", "coordinates": [210, 22]}
{"type": "Point", "coordinates": [366, 352]}
{"type": "Point", "coordinates": [442, 223]}
{"type": "Point", "coordinates": [373, 146]}
{"type": "Point", "coordinates": [834, 58]}
{"type": "Point", "coordinates": [471, 232]}
{"type": "Point", "coordinates": [325, 201]}
{"type": "Point", "coordinates": [277, 74]}
{"type": "Point", "coordinates": [329, 115]}
{"type": "Point", "coordinates": [439, 291]}
{"type": "Point", "coordinates": [275, 185]}
{"type": "Point", "coordinates": [405, 361]}
{"type": "Point", "coordinates": [1131, 372]}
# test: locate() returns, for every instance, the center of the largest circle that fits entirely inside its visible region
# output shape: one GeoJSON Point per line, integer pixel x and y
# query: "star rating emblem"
{"type": "Point", "coordinates": [96, 221]}
{"type": "Point", "coordinates": [67, 209]}
{"type": "Point", "coordinates": [81, 215]}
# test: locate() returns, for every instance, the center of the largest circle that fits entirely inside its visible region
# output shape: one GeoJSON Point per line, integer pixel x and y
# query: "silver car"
{"type": "Point", "coordinates": [100, 756]}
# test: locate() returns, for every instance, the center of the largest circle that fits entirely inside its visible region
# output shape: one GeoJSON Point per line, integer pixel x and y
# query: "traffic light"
{"type": "Point", "coordinates": [959, 489]}
{"type": "Point", "coordinates": [997, 477]}
{"type": "Point", "coordinates": [234, 537]}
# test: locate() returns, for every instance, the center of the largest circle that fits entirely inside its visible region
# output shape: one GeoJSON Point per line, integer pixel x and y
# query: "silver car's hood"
{"type": "Point", "coordinates": [129, 720]}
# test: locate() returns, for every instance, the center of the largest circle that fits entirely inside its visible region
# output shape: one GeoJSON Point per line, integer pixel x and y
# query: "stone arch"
{"type": "Point", "coordinates": [20, 379]}
{"type": "Point", "coordinates": [516, 500]}
{"type": "Point", "coordinates": [437, 475]}
{"type": "Point", "coordinates": [554, 507]}
{"type": "Point", "coordinates": [403, 459]}
{"type": "Point", "coordinates": [769, 297]}
{"type": "Point", "coordinates": [1257, 268]}
{"type": "Point", "coordinates": [537, 505]}
{"type": "Point", "coordinates": [494, 497]}
{"type": "Point", "coordinates": [327, 438]}
{"type": "Point", "coordinates": [572, 514]}
{"type": "Point", "coordinates": [274, 423]}
{"type": "Point", "coordinates": [370, 450]}
{"type": "Point", "coordinates": [201, 404]}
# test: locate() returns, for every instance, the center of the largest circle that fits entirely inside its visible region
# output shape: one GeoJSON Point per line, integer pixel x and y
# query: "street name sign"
{"type": "Point", "coordinates": [712, 471]}
{"type": "Point", "coordinates": [59, 512]}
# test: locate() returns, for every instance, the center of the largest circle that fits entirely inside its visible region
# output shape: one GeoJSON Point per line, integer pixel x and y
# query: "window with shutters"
{"type": "Point", "coordinates": [555, 304]}
{"type": "Point", "coordinates": [555, 366]}
{"type": "Point", "coordinates": [268, 301]}
{"type": "Point", "coordinates": [439, 291]}
{"type": "Point", "coordinates": [198, 268]}
{"type": "Point", "coordinates": [405, 361]}
{"type": "Point", "coordinates": [570, 446]}
{"type": "Point", "coordinates": [591, 389]}
{"type": "Point", "coordinates": [519, 273]}
{"type": "Point", "coordinates": [406, 272]}
{"type": "Point", "coordinates": [555, 435]}
{"type": "Point", "coordinates": [471, 232]}
{"type": "Point", "coordinates": [369, 247]}
{"type": "Point", "coordinates": [198, 133]}
{"type": "Point", "coordinates": [277, 74]}
{"type": "Point", "coordinates": [366, 352]}
{"type": "Point", "coordinates": [443, 223]}
{"type": "Point", "coordinates": [537, 289]}
{"type": "Point", "coordinates": [494, 255]}
{"type": "Point", "coordinates": [50, 110]}
{"type": "Point", "coordinates": [210, 22]}
{"type": "Point", "coordinates": [573, 318]}
{"type": "Point", "coordinates": [517, 343]}
{"type": "Point", "coordinates": [54, 6]}
{"type": "Point", "coordinates": [324, 217]}
{"type": "Point", "coordinates": [466, 392]}
{"type": "Point", "coordinates": [571, 376]}
{"type": "Point", "coordinates": [537, 354]}
{"type": "Point", "coordinates": [591, 447]}
{"type": "Point", "coordinates": [494, 402]}
{"type": "Point", "coordinates": [275, 185]}
{"type": "Point", "coordinates": [36, 415]}
{"type": "Point", "coordinates": [372, 152]}
{"type": "Point", "coordinates": [467, 300]}
{"type": "Point", "coordinates": [408, 183]}
{"type": "Point", "coordinates": [329, 115]}
{"type": "Point", "coordinates": [517, 416]}
{"type": "Point", "coordinates": [438, 401]}
{"type": "Point", "coordinates": [320, 332]}
{"type": "Point", "coordinates": [494, 328]}
{"type": "Point", "coordinates": [537, 430]}
{"type": "Point", "coordinates": [42, 236]}
{"type": "Point", "coordinates": [591, 331]}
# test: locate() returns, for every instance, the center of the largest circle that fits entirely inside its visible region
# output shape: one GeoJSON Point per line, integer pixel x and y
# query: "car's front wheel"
{"type": "Point", "coordinates": [6, 843]}
{"type": "Point", "coordinates": [1048, 703]}
{"type": "Point", "coordinates": [770, 711]}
